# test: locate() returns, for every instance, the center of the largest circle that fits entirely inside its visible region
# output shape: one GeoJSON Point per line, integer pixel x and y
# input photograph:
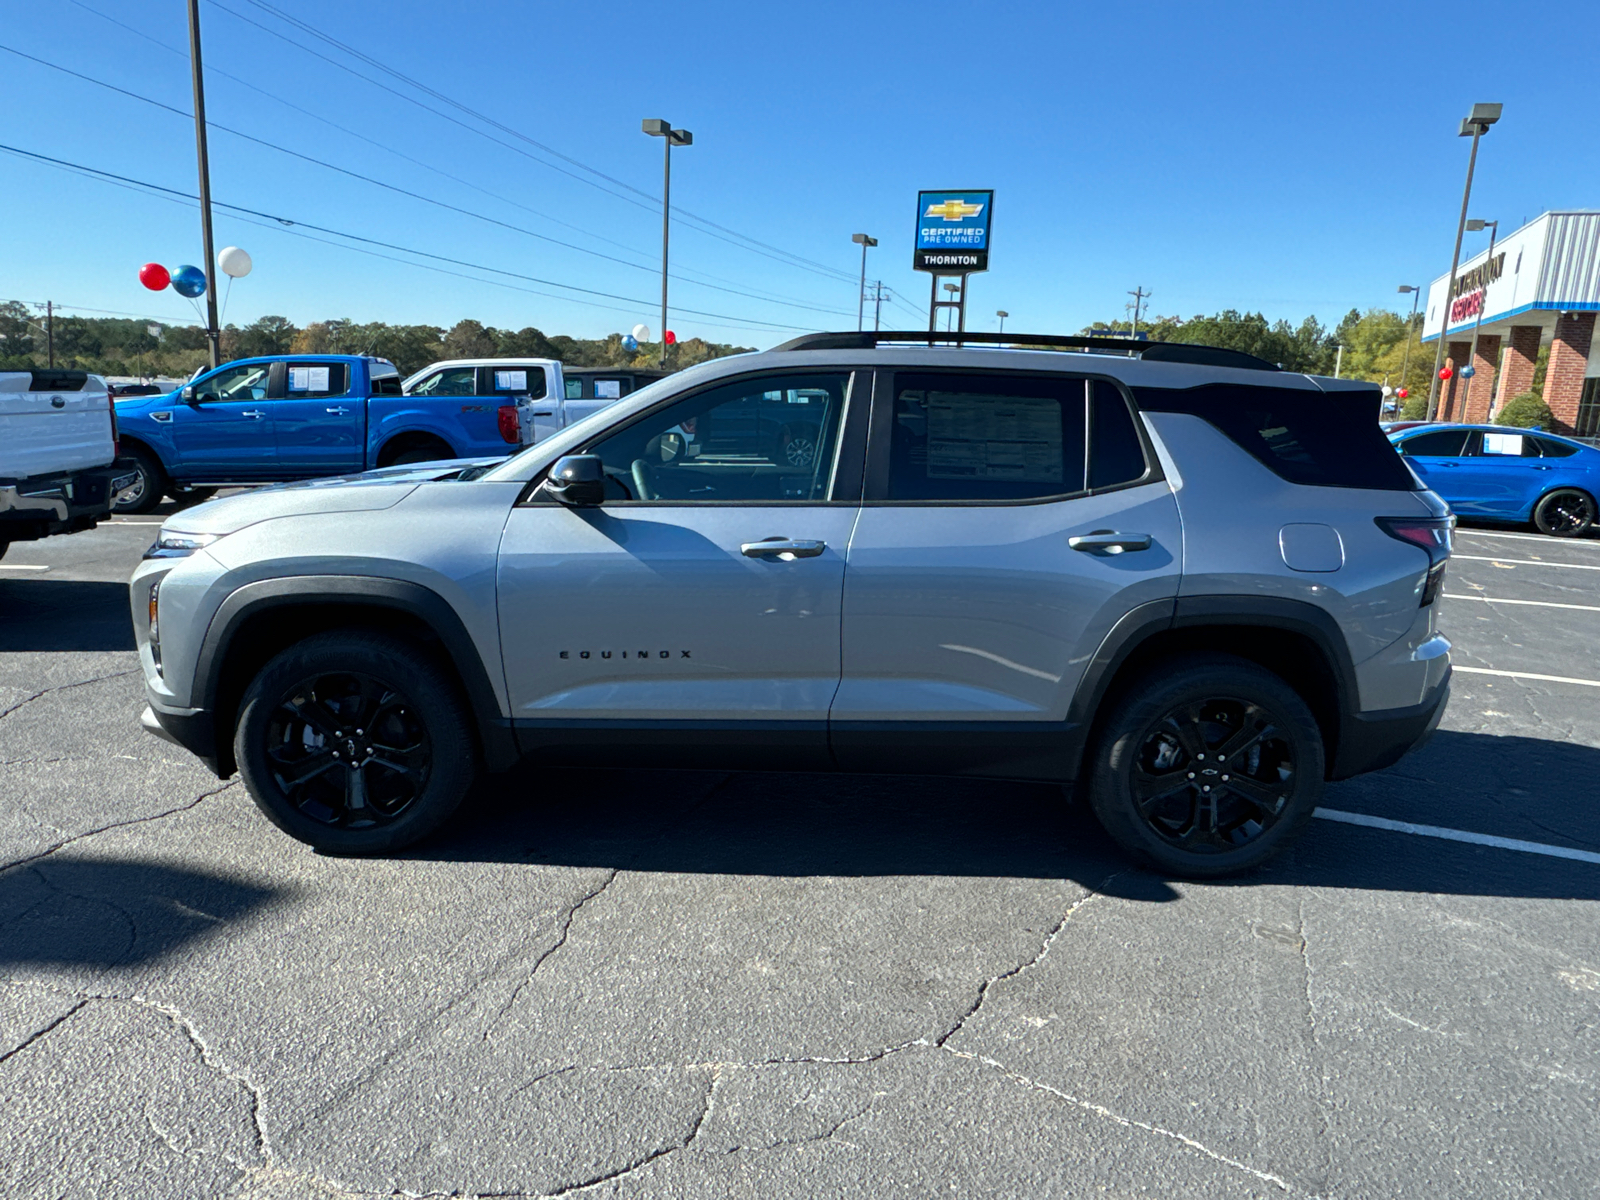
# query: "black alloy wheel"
{"type": "Point", "coordinates": [1565, 512]}
{"type": "Point", "coordinates": [1207, 767]}
{"type": "Point", "coordinates": [355, 742]}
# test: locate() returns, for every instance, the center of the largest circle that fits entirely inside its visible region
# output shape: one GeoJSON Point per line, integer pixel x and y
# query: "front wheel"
{"type": "Point", "coordinates": [1207, 767]}
{"type": "Point", "coordinates": [145, 492]}
{"type": "Point", "coordinates": [354, 743]}
{"type": "Point", "coordinates": [1565, 512]}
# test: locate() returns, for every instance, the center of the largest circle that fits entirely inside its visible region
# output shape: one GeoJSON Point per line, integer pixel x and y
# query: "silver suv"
{"type": "Point", "coordinates": [1187, 583]}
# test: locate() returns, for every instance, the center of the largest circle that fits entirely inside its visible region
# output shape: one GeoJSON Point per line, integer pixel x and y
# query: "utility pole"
{"type": "Point", "coordinates": [1473, 126]}
{"type": "Point", "coordinates": [864, 242]}
{"type": "Point", "coordinates": [50, 333]}
{"type": "Point", "coordinates": [213, 334]}
{"type": "Point", "coordinates": [1139, 297]}
{"type": "Point", "coordinates": [877, 305]}
{"type": "Point", "coordinates": [673, 137]}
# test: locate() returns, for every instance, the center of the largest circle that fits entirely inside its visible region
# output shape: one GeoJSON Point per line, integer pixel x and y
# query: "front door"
{"type": "Point", "coordinates": [227, 431]}
{"type": "Point", "coordinates": [1436, 458]}
{"type": "Point", "coordinates": [970, 612]}
{"type": "Point", "coordinates": [321, 423]}
{"type": "Point", "coordinates": [701, 601]}
{"type": "Point", "coordinates": [1500, 475]}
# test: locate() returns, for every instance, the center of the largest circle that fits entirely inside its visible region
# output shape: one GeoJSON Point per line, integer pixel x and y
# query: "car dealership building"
{"type": "Point", "coordinates": [1539, 287]}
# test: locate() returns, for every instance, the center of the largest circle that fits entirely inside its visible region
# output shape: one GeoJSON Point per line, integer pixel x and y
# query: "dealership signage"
{"type": "Point", "coordinates": [1473, 286]}
{"type": "Point", "coordinates": [953, 231]}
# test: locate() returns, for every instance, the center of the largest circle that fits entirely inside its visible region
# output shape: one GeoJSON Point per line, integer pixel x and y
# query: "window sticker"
{"type": "Point", "coordinates": [1502, 443]}
{"type": "Point", "coordinates": [308, 379]}
{"type": "Point", "coordinates": [511, 381]}
{"type": "Point", "coordinates": [608, 389]}
{"type": "Point", "coordinates": [988, 437]}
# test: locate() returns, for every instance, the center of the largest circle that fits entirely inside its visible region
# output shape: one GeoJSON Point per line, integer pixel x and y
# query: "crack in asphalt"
{"type": "Point", "coordinates": [78, 837]}
{"type": "Point", "coordinates": [39, 1033]}
{"type": "Point", "coordinates": [1108, 1114]}
{"type": "Point", "coordinates": [1320, 1099]}
{"type": "Point", "coordinates": [62, 687]}
{"type": "Point", "coordinates": [825, 1136]}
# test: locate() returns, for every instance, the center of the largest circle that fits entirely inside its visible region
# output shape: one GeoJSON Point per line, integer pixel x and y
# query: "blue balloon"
{"type": "Point", "coordinates": [629, 342]}
{"type": "Point", "coordinates": [1468, 371]}
{"type": "Point", "coordinates": [189, 281]}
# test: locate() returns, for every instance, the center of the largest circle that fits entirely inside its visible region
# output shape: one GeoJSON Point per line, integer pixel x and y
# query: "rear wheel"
{"type": "Point", "coordinates": [354, 743]}
{"type": "Point", "coordinates": [146, 490]}
{"type": "Point", "coordinates": [1566, 512]}
{"type": "Point", "coordinates": [1207, 768]}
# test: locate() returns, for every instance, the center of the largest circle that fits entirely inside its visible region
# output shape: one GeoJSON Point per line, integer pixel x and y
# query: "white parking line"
{"type": "Point", "coordinates": [1528, 675]}
{"type": "Point", "coordinates": [125, 521]}
{"type": "Point", "coordinates": [22, 567]}
{"type": "Point", "coordinates": [1529, 537]}
{"type": "Point", "coordinates": [1456, 835]}
{"type": "Point", "coordinates": [1538, 603]}
{"type": "Point", "coordinates": [1527, 562]}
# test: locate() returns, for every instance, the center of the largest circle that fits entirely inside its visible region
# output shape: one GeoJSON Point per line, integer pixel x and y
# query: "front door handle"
{"type": "Point", "coordinates": [1544, 468]}
{"type": "Point", "coordinates": [783, 548]}
{"type": "Point", "coordinates": [338, 412]}
{"type": "Point", "coordinates": [1110, 541]}
{"type": "Point", "coordinates": [253, 412]}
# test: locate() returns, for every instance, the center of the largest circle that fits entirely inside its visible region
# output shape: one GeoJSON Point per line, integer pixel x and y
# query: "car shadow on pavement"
{"type": "Point", "coordinates": [58, 615]}
{"type": "Point", "coordinates": [85, 912]}
{"type": "Point", "coordinates": [857, 825]}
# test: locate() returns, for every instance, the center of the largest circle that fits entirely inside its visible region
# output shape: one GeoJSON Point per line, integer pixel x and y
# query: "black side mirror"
{"type": "Point", "coordinates": [188, 395]}
{"type": "Point", "coordinates": [578, 480]}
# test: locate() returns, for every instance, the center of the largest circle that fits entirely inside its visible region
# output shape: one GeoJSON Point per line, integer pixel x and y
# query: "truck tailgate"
{"type": "Point", "coordinates": [51, 431]}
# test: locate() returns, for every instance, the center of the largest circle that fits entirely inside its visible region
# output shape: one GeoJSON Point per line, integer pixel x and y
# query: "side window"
{"type": "Point", "coordinates": [452, 381]}
{"type": "Point", "coordinates": [574, 388]}
{"type": "Point", "coordinates": [1554, 449]}
{"type": "Point", "coordinates": [748, 441]}
{"type": "Point", "coordinates": [305, 380]}
{"type": "Point", "coordinates": [386, 385]}
{"type": "Point", "coordinates": [1115, 454]}
{"type": "Point", "coordinates": [1446, 443]}
{"type": "Point", "coordinates": [1483, 444]}
{"type": "Point", "coordinates": [958, 438]}
{"type": "Point", "coordinates": [247, 382]}
{"type": "Point", "coordinates": [515, 381]}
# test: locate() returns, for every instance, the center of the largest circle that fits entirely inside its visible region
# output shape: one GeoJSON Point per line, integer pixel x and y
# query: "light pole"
{"type": "Point", "coordinates": [673, 137]}
{"type": "Point", "coordinates": [1416, 296]}
{"type": "Point", "coordinates": [1476, 226]}
{"type": "Point", "coordinates": [212, 332]}
{"type": "Point", "coordinates": [1002, 314]}
{"type": "Point", "coordinates": [1474, 126]}
{"type": "Point", "coordinates": [950, 315]}
{"type": "Point", "coordinates": [864, 242]}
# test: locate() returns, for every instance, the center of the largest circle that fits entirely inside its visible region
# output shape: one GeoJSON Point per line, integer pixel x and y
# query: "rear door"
{"type": "Point", "coordinates": [227, 431]}
{"type": "Point", "coordinates": [320, 414]}
{"type": "Point", "coordinates": [968, 614]}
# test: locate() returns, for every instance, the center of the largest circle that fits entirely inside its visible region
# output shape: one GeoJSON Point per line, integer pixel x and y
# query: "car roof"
{"type": "Point", "coordinates": [1544, 433]}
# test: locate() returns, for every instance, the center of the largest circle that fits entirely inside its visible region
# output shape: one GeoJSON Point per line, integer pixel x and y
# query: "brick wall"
{"type": "Point", "coordinates": [1522, 356]}
{"type": "Point", "coordinates": [1569, 359]}
{"type": "Point", "coordinates": [1450, 395]}
{"type": "Point", "coordinates": [1479, 390]}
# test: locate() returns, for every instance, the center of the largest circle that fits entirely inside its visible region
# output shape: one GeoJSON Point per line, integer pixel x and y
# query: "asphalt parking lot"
{"type": "Point", "coordinates": [660, 984]}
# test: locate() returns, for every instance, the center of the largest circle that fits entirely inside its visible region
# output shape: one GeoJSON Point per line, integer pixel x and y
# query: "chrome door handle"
{"type": "Point", "coordinates": [783, 548]}
{"type": "Point", "coordinates": [254, 412]}
{"type": "Point", "coordinates": [544, 412]}
{"type": "Point", "coordinates": [1110, 541]}
{"type": "Point", "coordinates": [338, 412]}
{"type": "Point", "coordinates": [1544, 468]}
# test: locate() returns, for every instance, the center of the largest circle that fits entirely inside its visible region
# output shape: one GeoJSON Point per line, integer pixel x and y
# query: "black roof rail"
{"type": "Point", "coordinates": [1173, 352]}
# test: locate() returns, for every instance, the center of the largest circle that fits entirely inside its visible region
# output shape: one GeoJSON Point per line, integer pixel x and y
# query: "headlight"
{"type": "Point", "coordinates": [178, 545]}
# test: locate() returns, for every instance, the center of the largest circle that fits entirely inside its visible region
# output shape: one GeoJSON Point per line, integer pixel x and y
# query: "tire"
{"type": "Point", "coordinates": [193, 495]}
{"type": "Point", "coordinates": [431, 451]}
{"type": "Point", "coordinates": [1565, 512]}
{"type": "Point", "coordinates": [1201, 704]}
{"type": "Point", "coordinates": [299, 718]}
{"type": "Point", "coordinates": [146, 493]}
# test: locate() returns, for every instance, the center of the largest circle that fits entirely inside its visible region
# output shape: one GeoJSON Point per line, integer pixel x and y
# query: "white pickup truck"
{"type": "Point", "coordinates": [58, 447]}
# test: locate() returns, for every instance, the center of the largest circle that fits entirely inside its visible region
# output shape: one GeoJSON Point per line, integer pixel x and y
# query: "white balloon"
{"type": "Point", "coordinates": [642, 332]}
{"type": "Point", "coordinates": [234, 262]}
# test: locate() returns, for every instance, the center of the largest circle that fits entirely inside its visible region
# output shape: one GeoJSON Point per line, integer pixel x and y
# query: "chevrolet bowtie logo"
{"type": "Point", "coordinates": [953, 210]}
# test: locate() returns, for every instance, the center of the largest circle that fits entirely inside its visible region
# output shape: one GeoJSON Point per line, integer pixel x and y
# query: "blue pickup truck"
{"type": "Point", "coordinates": [267, 420]}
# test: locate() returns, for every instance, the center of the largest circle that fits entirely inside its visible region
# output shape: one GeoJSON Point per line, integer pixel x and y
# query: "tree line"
{"type": "Point", "coordinates": [124, 346]}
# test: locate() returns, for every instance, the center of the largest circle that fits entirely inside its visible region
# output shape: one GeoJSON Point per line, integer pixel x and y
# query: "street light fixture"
{"type": "Point", "coordinates": [1471, 371]}
{"type": "Point", "coordinates": [950, 315]}
{"type": "Point", "coordinates": [1002, 314]}
{"type": "Point", "coordinates": [672, 137]}
{"type": "Point", "coordinates": [1474, 125]}
{"type": "Point", "coordinates": [864, 242]}
{"type": "Point", "coordinates": [1416, 296]}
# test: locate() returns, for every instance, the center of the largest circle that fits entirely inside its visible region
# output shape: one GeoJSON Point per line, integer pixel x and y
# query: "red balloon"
{"type": "Point", "coordinates": [1403, 393]}
{"type": "Point", "coordinates": [154, 276]}
{"type": "Point", "coordinates": [1445, 372]}
{"type": "Point", "coordinates": [672, 338]}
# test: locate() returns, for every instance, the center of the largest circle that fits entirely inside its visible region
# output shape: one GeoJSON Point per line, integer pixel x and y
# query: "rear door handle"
{"type": "Point", "coordinates": [1110, 541]}
{"type": "Point", "coordinates": [253, 412]}
{"type": "Point", "coordinates": [544, 412]}
{"type": "Point", "coordinates": [784, 548]}
{"type": "Point", "coordinates": [338, 412]}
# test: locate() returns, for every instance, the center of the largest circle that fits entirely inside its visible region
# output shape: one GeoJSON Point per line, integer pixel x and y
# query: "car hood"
{"type": "Point", "coordinates": [367, 492]}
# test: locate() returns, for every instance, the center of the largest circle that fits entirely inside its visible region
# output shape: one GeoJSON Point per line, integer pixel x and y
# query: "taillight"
{"type": "Point", "coordinates": [1431, 534]}
{"type": "Point", "coordinates": [508, 423]}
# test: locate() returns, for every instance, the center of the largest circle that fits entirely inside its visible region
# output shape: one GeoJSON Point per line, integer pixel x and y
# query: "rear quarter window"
{"type": "Point", "coordinates": [1315, 438]}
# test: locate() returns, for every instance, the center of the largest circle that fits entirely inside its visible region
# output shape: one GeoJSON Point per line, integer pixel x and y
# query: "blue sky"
{"type": "Point", "coordinates": [1287, 158]}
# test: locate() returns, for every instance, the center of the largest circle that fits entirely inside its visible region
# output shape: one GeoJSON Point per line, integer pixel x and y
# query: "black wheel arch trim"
{"type": "Point", "coordinates": [413, 599]}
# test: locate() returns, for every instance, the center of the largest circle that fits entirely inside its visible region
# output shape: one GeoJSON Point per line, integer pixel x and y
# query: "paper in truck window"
{"type": "Point", "coordinates": [308, 379]}
{"type": "Point", "coordinates": [989, 437]}
{"type": "Point", "coordinates": [608, 389]}
{"type": "Point", "coordinates": [1502, 443]}
{"type": "Point", "coordinates": [511, 381]}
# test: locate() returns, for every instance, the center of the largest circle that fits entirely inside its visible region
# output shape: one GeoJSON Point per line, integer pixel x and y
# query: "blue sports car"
{"type": "Point", "coordinates": [1498, 473]}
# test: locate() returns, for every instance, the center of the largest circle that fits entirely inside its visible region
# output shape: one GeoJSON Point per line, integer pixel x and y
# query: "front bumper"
{"type": "Point", "coordinates": [1373, 740]}
{"type": "Point", "coordinates": [191, 728]}
{"type": "Point", "coordinates": [47, 505]}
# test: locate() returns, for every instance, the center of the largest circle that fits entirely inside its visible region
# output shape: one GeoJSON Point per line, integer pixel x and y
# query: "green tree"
{"type": "Point", "coordinates": [468, 339]}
